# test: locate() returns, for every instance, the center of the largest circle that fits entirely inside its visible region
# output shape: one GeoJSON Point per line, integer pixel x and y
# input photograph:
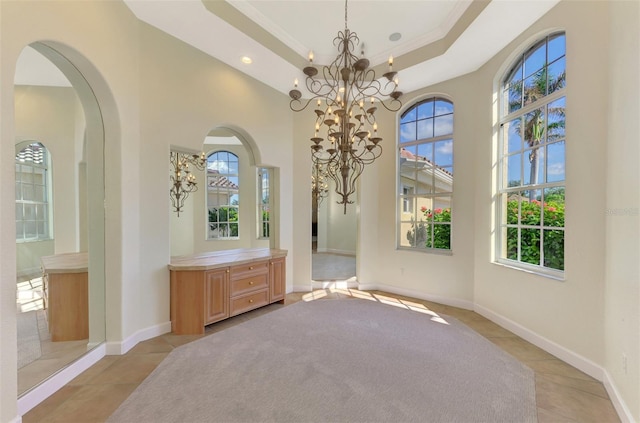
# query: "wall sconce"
{"type": "Point", "coordinates": [183, 182]}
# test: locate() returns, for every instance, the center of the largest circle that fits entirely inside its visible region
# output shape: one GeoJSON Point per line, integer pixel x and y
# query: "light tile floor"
{"type": "Point", "coordinates": [563, 394]}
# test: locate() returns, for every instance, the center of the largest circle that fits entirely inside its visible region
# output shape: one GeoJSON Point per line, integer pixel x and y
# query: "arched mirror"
{"type": "Point", "coordinates": [234, 203]}
{"type": "Point", "coordinates": [59, 215]}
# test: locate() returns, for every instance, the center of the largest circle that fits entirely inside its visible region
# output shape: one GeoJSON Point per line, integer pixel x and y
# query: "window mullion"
{"type": "Point", "coordinates": [533, 106]}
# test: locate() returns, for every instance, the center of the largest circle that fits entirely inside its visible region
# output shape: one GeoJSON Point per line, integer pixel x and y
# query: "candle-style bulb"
{"type": "Point", "coordinates": [311, 56]}
{"type": "Point", "coordinates": [295, 82]}
{"type": "Point", "coordinates": [375, 126]}
{"type": "Point", "coordinates": [390, 63]}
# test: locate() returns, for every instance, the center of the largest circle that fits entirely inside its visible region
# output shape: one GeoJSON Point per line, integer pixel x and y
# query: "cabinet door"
{"type": "Point", "coordinates": [277, 279]}
{"type": "Point", "coordinates": [216, 295]}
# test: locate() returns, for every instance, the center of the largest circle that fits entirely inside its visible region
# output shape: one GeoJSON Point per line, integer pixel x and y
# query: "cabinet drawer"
{"type": "Point", "coordinates": [249, 284]}
{"type": "Point", "coordinates": [249, 302]}
{"type": "Point", "coordinates": [245, 270]}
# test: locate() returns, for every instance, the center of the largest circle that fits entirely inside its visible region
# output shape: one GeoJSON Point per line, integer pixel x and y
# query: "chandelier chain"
{"type": "Point", "coordinates": [345, 15]}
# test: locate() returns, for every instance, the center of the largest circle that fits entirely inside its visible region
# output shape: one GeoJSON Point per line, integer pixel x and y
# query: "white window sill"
{"type": "Point", "coordinates": [550, 274]}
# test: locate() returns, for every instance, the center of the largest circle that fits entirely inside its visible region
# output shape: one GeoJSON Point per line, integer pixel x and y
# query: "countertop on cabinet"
{"type": "Point", "coordinates": [66, 263]}
{"type": "Point", "coordinates": [220, 259]}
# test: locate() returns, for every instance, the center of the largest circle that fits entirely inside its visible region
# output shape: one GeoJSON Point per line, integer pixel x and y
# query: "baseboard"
{"type": "Point", "coordinates": [618, 403]}
{"type": "Point", "coordinates": [581, 363]}
{"type": "Point", "coordinates": [39, 393]}
{"type": "Point", "coordinates": [454, 302]}
{"type": "Point", "coordinates": [119, 348]}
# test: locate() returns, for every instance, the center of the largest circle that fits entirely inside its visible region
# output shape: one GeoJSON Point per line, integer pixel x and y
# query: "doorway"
{"type": "Point", "coordinates": [334, 236]}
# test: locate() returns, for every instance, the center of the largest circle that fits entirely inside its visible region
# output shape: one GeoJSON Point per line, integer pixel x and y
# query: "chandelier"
{"type": "Point", "coordinates": [319, 185]}
{"type": "Point", "coordinates": [183, 182]}
{"type": "Point", "coordinates": [346, 94]}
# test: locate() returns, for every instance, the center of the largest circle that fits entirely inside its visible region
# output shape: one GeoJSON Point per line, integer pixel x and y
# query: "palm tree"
{"type": "Point", "coordinates": [535, 122]}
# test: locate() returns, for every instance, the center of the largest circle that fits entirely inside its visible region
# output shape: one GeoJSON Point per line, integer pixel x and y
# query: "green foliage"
{"type": "Point", "coordinates": [533, 214]}
{"type": "Point", "coordinates": [224, 219]}
{"type": "Point", "coordinates": [265, 223]}
{"type": "Point", "coordinates": [441, 232]}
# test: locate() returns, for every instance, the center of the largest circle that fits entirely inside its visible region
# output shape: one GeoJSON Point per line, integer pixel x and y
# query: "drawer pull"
{"type": "Point", "coordinates": [250, 267]}
{"type": "Point", "coordinates": [250, 301]}
{"type": "Point", "coordinates": [251, 283]}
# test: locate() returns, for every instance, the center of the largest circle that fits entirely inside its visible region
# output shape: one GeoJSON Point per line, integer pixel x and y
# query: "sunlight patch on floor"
{"type": "Point", "coordinates": [364, 295]}
{"type": "Point", "coordinates": [29, 295]}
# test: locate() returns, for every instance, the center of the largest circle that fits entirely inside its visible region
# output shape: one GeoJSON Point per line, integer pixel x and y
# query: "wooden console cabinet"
{"type": "Point", "coordinates": [66, 295]}
{"type": "Point", "coordinates": [209, 287]}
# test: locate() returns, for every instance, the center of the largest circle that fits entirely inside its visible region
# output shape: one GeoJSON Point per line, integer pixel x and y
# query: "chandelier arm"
{"type": "Point", "coordinates": [303, 105]}
{"type": "Point", "coordinates": [392, 105]}
{"type": "Point", "coordinates": [317, 87]}
{"type": "Point", "coordinates": [367, 157]}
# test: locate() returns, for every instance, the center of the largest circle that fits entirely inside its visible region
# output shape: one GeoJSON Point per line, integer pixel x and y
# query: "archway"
{"type": "Point", "coordinates": [234, 209]}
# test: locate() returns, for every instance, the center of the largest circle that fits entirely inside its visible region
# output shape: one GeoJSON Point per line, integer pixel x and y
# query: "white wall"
{"type": "Point", "coordinates": [622, 205]}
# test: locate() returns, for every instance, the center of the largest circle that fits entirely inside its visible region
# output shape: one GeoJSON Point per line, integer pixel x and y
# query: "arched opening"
{"type": "Point", "coordinates": [235, 205]}
{"type": "Point", "coordinates": [55, 105]}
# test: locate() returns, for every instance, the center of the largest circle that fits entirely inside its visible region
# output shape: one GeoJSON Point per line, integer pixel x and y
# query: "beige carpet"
{"type": "Point", "coordinates": [337, 361]}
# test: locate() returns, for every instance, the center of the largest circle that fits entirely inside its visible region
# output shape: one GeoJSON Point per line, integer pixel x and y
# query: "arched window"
{"type": "Point", "coordinates": [33, 213]}
{"type": "Point", "coordinates": [425, 175]}
{"type": "Point", "coordinates": [531, 154]}
{"type": "Point", "coordinates": [223, 195]}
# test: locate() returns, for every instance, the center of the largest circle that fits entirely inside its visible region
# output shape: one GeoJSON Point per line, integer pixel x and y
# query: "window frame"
{"type": "Point", "coordinates": [407, 197]}
{"type": "Point", "coordinates": [503, 191]}
{"type": "Point", "coordinates": [46, 203]}
{"type": "Point", "coordinates": [261, 205]}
